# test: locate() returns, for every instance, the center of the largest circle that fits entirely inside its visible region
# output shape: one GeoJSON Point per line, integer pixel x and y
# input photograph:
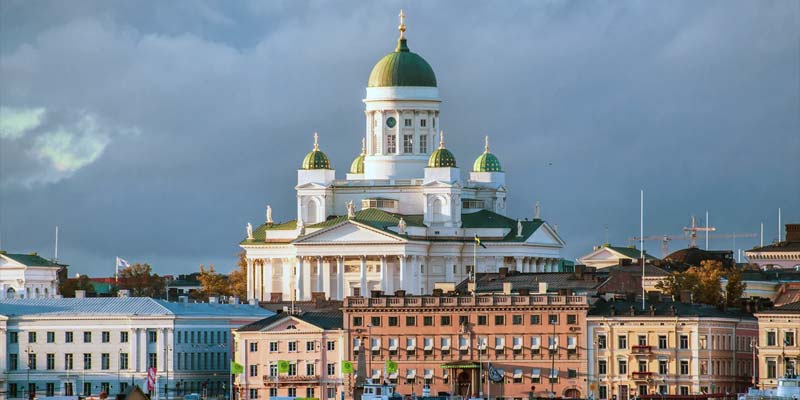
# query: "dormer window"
{"type": "Point", "coordinates": [384, 204]}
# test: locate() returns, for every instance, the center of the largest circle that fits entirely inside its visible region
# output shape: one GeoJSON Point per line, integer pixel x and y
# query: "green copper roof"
{"type": "Point", "coordinates": [357, 167]}
{"type": "Point", "coordinates": [402, 68]}
{"type": "Point", "coordinates": [316, 159]}
{"type": "Point", "coordinates": [486, 162]}
{"type": "Point", "coordinates": [31, 260]}
{"type": "Point", "coordinates": [442, 158]}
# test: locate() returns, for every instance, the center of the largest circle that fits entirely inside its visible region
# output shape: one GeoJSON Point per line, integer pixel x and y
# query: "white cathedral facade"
{"type": "Point", "coordinates": [403, 218]}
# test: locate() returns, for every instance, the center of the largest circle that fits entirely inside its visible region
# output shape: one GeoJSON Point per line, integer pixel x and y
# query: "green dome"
{"type": "Point", "coordinates": [486, 162]}
{"type": "Point", "coordinates": [357, 167]}
{"type": "Point", "coordinates": [442, 158]}
{"type": "Point", "coordinates": [316, 159]}
{"type": "Point", "coordinates": [402, 68]}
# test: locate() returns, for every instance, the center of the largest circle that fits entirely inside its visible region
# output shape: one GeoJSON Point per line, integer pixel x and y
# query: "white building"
{"type": "Point", "coordinates": [91, 345]}
{"type": "Point", "coordinates": [28, 276]}
{"type": "Point", "coordinates": [403, 217]}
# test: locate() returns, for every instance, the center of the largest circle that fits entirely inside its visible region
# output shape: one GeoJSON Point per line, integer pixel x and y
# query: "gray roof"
{"type": "Point", "coordinates": [623, 308]}
{"type": "Point", "coordinates": [493, 281]}
{"type": "Point", "coordinates": [324, 320]}
{"type": "Point", "coordinates": [122, 306]}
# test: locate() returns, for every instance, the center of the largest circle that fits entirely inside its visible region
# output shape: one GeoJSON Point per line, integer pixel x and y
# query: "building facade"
{"type": "Point", "coordinates": [311, 342]}
{"type": "Point", "coordinates": [668, 348]}
{"type": "Point", "coordinates": [28, 276]}
{"type": "Point", "coordinates": [534, 343]}
{"type": "Point", "coordinates": [778, 350]}
{"type": "Point", "coordinates": [86, 346]}
{"type": "Point", "coordinates": [403, 217]}
{"type": "Point", "coordinates": [784, 254]}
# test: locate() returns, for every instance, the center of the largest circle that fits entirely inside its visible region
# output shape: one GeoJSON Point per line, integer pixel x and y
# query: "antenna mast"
{"type": "Point", "coordinates": [55, 252]}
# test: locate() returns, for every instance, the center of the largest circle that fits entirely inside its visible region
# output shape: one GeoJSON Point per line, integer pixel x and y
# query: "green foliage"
{"type": "Point", "coordinates": [217, 284]}
{"type": "Point", "coordinates": [705, 283]}
{"type": "Point", "coordinates": [140, 280]}
{"type": "Point", "coordinates": [69, 286]}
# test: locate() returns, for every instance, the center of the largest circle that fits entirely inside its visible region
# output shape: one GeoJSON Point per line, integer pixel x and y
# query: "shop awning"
{"type": "Point", "coordinates": [461, 365]}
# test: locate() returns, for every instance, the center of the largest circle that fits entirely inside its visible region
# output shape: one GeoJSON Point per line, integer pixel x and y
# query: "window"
{"type": "Point", "coordinates": [13, 337]}
{"type": "Point", "coordinates": [310, 345]}
{"type": "Point", "coordinates": [273, 392]}
{"type": "Point", "coordinates": [516, 319]}
{"type": "Point", "coordinates": [331, 370]}
{"type": "Point", "coordinates": [463, 319]}
{"type": "Point", "coordinates": [772, 368]}
{"type": "Point", "coordinates": [552, 319]}
{"type": "Point", "coordinates": [663, 368]}
{"type": "Point", "coordinates": [32, 361]}
{"type": "Point", "coordinates": [253, 347]}
{"type": "Point", "coordinates": [87, 360]}
{"type": "Point", "coordinates": [622, 367]}
{"type": "Point", "coordinates": [358, 321]}
{"type": "Point", "coordinates": [293, 369]}
{"type": "Point", "coordinates": [391, 143]}
{"type": "Point", "coordinates": [394, 321]}
{"type": "Point", "coordinates": [411, 321]}
{"type": "Point", "coordinates": [152, 338]}
{"type": "Point", "coordinates": [292, 392]}
{"type": "Point", "coordinates": [292, 346]}
{"type": "Point", "coordinates": [331, 345]}
{"type": "Point", "coordinates": [273, 369]}
{"type": "Point", "coordinates": [51, 361]}
{"type": "Point", "coordinates": [662, 342]}
{"type": "Point", "coordinates": [572, 373]}
{"type": "Point", "coordinates": [536, 319]}
{"type": "Point", "coordinates": [105, 361]}
{"type": "Point", "coordinates": [68, 361]}
{"type": "Point", "coordinates": [254, 370]}
{"type": "Point", "coordinates": [602, 392]}
{"type": "Point", "coordinates": [13, 361]}
{"type": "Point", "coordinates": [684, 342]}
{"type": "Point", "coordinates": [788, 338]}
{"type": "Point", "coordinates": [408, 144]}
{"type": "Point", "coordinates": [123, 337]}
{"type": "Point", "coordinates": [663, 389]}
{"type": "Point", "coordinates": [375, 321]}
{"type": "Point", "coordinates": [427, 321]}
{"type": "Point", "coordinates": [31, 337]}
{"type": "Point", "coordinates": [499, 319]}
{"type": "Point", "coordinates": [310, 370]}
{"type": "Point", "coordinates": [273, 347]}
{"type": "Point", "coordinates": [407, 122]}
{"type": "Point", "coordinates": [51, 337]}
{"type": "Point", "coordinates": [602, 367]}
{"type": "Point", "coordinates": [684, 390]}
{"type": "Point", "coordinates": [68, 337]}
{"type": "Point", "coordinates": [310, 393]}
{"type": "Point", "coordinates": [12, 390]}
{"type": "Point", "coordinates": [622, 342]}
{"type": "Point", "coordinates": [483, 320]}
{"type": "Point", "coordinates": [423, 123]}
{"type": "Point", "coordinates": [684, 367]}
{"type": "Point", "coordinates": [423, 143]}
{"type": "Point", "coordinates": [642, 365]}
{"type": "Point", "coordinates": [105, 336]}
{"type": "Point", "coordinates": [50, 389]}
{"type": "Point", "coordinates": [572, 319]}
{"type": "Point", "coordinates": [444, 320]}
{"type": "Point", "coordinates": [642, 340]}
{"type": "Point", "coordinates": [152, 360]}
{"type": "Point", "coordinates": [601, 342]}
{"type": "Point", "coordinates": [87, 337]}
{"type": "Point", "coordinates": [253, 392]}
{"type": "Point", "coordinates": [123, 360]}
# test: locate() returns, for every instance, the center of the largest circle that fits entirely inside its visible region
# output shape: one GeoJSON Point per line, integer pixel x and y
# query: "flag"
{"type": "Point", "coordinates": [283, 366]}
{"type": "Point", "coordinates": [478, 242]}
{"type": "Point", "coordinates": [347, 367]}
{"type": "Point", "coordinates": [122, 263]}
{"type": "Point", "coordinates": [151, 379]}
{"type": "Point", "coordinates": [494, 374]}
{"type": "Point", "coordinates": [236, 368]}
{"type": "Point", "coordinates": [391, 367]}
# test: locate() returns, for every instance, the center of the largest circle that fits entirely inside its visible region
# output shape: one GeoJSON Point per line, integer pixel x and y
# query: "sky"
{"type": "Point", "coordinates": [155, 131]}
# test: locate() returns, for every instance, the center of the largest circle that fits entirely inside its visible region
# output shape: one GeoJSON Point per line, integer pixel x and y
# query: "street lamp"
{"type": "Point", "coordinates": [369, 342]}
{"type": "Point", "coordinates": [119, 367]}
{"type": "Point", "coordinates": [28, 356]}
{"type": "Point", "coordinates": [166, 367]}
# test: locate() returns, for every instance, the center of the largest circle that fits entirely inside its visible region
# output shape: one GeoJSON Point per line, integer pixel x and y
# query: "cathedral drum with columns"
{"type": "Point", "coordinates": [403, 218]}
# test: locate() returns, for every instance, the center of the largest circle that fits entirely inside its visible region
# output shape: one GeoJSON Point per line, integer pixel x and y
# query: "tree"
{"type": "Point", "coordinates": [139, 279]}
{"type": "Point", "coordinates": [705, 283]}
{"type": "Point", "coordinates": [735, 287]}
{"type": "Point", "coordinates": [69, 286]}
{"type": "Point", "coordinates": [213, 283]}
{"type": "Point", "coordinates": [238, 278]}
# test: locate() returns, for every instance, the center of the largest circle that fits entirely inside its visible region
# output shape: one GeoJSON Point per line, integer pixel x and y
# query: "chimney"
{"type": "Point", "coordinates": [185, 299]}
{"type": "Point", "coordinates": [793, 232]}
{"type": "Point", "coordinates": [437, 292]}
{"type": "Point", "coordinates": [213, 300]}
{"type": "Point", "coordinates": [124, 293]}
{"type": "Point", "coordinates": [275, 297]}
{"type": "Point", "coordinates": [503, 272]}
{"type": "Point", "coordinates": [542, 288]}
{"type": "Point", "coordinates": [400, 293]}
{"type": "Point", "coordinates": [507, 287]}
{"type": "Point", "coordinates": [524, 292]}
{"type": "Point", "coordinates": [80, 294]}
{"type": "Point", "coordinates": [377, 293]}
{"type": "Point", "coordinates": [624, 262]}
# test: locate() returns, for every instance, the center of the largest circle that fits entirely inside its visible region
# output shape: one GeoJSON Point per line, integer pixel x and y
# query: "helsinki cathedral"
{"type": "Point", "coordinates": [403, 217]}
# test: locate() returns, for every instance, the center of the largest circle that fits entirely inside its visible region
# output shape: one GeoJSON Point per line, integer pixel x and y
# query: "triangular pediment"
{"type": "Point", "coordinates": [290, 324]}
{"type": "Point", "coordinates": [311, 185]}
{"type": "Point", "coordinates": [546, 235]}
{"type": "Point", "coordinates": [9, 262]}
{"type": "Point", "coordinates": [441, 184]}
{"type": "Point", "coordinates": [603, 254]}
{"type": "Point", "coordinates": [350, 232]}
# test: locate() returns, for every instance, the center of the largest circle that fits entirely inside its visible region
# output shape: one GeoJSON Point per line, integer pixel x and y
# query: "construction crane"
{"type": "Point", "coordinates": [690, 233]}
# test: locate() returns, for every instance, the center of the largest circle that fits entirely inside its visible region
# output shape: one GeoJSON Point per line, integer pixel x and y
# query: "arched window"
{"type": "Point", "coordinates": [36, 292]}
{"type": "Point", "coordinates": [10, 293]}
{"type": "Point", "coordinates": [437, 210]}
{"type": "Point", "coordinates": [311, 211]}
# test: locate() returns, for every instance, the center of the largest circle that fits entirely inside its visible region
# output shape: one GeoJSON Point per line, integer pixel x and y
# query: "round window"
{"type": "Point", "coordinates": [391, 122]}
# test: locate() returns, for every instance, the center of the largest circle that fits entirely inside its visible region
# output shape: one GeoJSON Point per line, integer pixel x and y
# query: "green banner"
{"type": "Point", "coordinates": [283, 366]}
{"type": "Point", "coordinates": [391, 367]}
{"type": "Point", "coordinates": [347, 367]}
{"type": "Point", "coordinates": [236, 368]}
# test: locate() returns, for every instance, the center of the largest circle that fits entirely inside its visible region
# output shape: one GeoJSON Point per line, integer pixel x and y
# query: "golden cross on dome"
{"type": "Point", "coordinates": [441, 139]}
{"type": "Point", "coordinates": [316, 141]}
{"type": "Point", "coordinates": [402, 26]}
{"type": "Point", "coordinates": [486, 145]}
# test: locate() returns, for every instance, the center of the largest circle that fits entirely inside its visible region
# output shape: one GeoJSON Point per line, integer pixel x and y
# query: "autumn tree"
{"type": "Point", "coordinates": [705, 283]}
{"type": "Point", "coordinates": [217, 284]}
{"type": "Point", "coordinates": [238, 278]}
{"type": "Point", "coordinates": [141, 281]}
{"type": "Point", "coordinates": [82, 282]}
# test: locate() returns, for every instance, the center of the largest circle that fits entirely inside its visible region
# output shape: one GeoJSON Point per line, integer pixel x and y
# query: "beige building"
{"type": "Point", "coordinates": [778, 351]}
{"type": "Point", "coordinates": [312, 343]}
{"type": "Point", "coordinates": [668, 348]}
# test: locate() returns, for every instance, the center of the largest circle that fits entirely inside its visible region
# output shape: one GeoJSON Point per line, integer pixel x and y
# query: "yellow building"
{"type": "Point", "coordinates": [668, 348]}
{"type": "Point", "coordinates": [778, 350]}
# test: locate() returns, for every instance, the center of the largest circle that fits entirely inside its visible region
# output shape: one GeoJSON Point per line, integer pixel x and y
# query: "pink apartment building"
{"type": "Point", "coordinates": [311, 342]}
{"type": "Point", "coordinates": [535, 343]}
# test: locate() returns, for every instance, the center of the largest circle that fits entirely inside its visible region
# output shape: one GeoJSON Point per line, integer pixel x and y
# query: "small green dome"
{"type": "Point", "coordinates": [486, 162]}
{"type": "Point", "coordinates": [357, 167]}
{"type": "Point", "coordinates": [442, 158]}
{"type": "Point", "coordinates": [402, 68]}
{"type": "Point", "coordinates": [316, 159]}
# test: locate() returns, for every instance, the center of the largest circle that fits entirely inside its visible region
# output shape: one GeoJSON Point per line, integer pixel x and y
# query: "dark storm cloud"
{"type": "Point", "coordinates": [204, 110]}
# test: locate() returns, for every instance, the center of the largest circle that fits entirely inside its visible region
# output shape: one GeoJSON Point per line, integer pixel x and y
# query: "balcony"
{"type": "Point", "coordinates": [294, 378]}
{"type": "Point", "coordinates": [642, 376]}
{"type": "Point", "coordinates": [430, 301]}
{"type": "Point", "coordinates": [641, 349]}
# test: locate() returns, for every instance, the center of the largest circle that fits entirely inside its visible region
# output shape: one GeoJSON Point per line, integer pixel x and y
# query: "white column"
{"type": "Point", "coordinates": [132, 346]}
{"type": "Point", "coordinates": [307, 281]}
{"type": "Point", "coordinates": [170, 360]}
{"type": "Point", "coordinates": [340, 278]}
{"type": "Point", "coordinates": [499, 263]}
{"type": "Point", "coordinates": [298, 280]}
{"type": "Point", "coordinates": [249, 278]}
{"type": "Point", "coordinates": [161, 347]}
{"type": "Point", "coordinates": [416, 133]}
{"type": "Point", "coordinates": [402, 280]}
{"type": "Point", "coordinates": [287, 278]}
{"type": "Point", "coordinates": [3, 351]}
{"type": "Point", "coordinates": [384, 285]}
{"type": "Point", "coordinates": [448, 269]}
{"type": "Point", "coordinates": [326, 278]}
{"type": "Point", "coordinates": [380, 143]}
{"type": "Point", "coordinates": [259, 282]}
{"type": "Point", "coordinates": [364, 290]}
{"type": "Point", "coordinates": [320, 275]}
{"type": "Point", "coordinates": [268, 278]}
{"type": "Point", "coordinates": [518, 261]}
{"type": "Point", "coordinates": [398, 133]}
{"type": "Point", "coordinates": [142, 350]}
{"type": "Point", "coordinates": [389, 277]}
